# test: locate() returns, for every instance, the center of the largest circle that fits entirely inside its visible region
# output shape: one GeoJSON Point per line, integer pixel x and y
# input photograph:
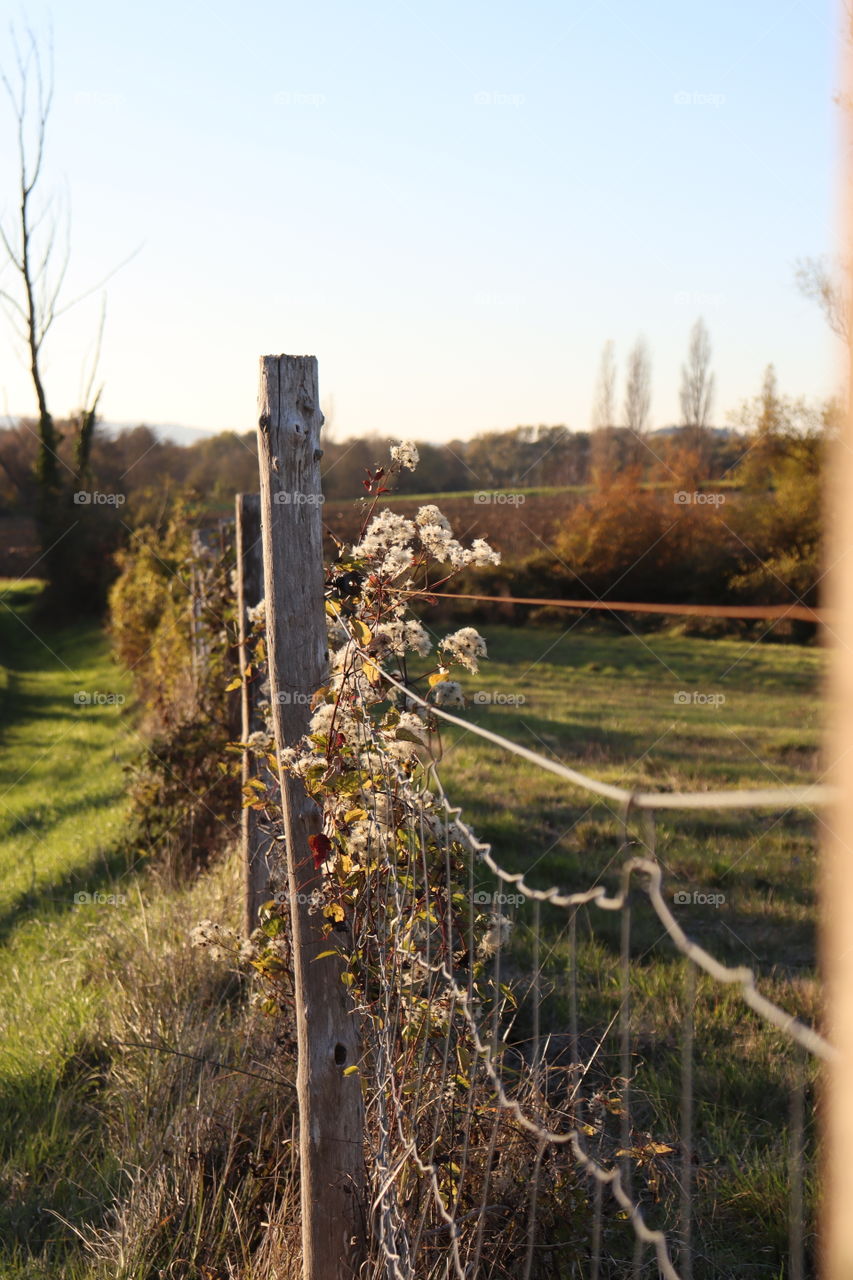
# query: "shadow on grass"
{"type": "Point", "coordinates": [106, 873]}
{"type": "Point", "coordinates": [51, 1135]}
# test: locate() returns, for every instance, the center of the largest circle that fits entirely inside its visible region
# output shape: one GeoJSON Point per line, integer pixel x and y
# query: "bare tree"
{"type": "Point", "coordinates": [603, 444]}
{"type": "Point", "coordinates": [770, 403]}
{"type": "Point", "coordinates": [604, 407]}
{"type": "Point", "coordinates": [822, 283]}
{"type": "Point", "coordinates": [697, 381]}
{"type": "Point", "coordinates": [638, 388]}
{"type": "Point", "coordinates": [34, 251]}
{"type": "Point", "coordinates": [35, 245]}
{"type": "Point", "coordinates": [29, 245]}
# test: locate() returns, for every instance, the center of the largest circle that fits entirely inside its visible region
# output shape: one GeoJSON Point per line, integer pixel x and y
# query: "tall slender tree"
{"type": "Point", "coordinates": [697, 380]}
{"type": "Point", "coordinates": [604, 405]}
{"type": "Point", "coordinates": [638, 388]}
{"type": "Point", "coordinates": [603, 446]}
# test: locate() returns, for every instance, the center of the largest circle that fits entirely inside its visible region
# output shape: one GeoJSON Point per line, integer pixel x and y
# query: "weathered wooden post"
{"type": "Point", "coordinates": [330, 1103]}
{"type": "Point", "coordinates": [836, 1225]}
{"type": "Point", "coordinates": [250, 592]}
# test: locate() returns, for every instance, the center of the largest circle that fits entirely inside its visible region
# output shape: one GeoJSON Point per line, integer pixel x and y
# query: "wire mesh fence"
{"type": "Point", "coordinates": [495, 1145]}
{"type": "Point", "coordinates": [571, 1110]}
{"type": "Point", "coordinates": [534, 1099]}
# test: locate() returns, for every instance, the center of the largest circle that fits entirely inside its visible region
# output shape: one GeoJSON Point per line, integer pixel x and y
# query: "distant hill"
{"type": "Point", "coordinates": [721, 433]}
{"type": "Point", "coordinates": [163, 430]}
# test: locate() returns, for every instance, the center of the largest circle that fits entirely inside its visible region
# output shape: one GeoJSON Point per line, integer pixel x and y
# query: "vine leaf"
{"type": "Point", "coordinates": [321, 847]}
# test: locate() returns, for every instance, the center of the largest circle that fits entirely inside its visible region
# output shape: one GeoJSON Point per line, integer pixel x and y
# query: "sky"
{"type": "Point", "coordinates": [453, 205]}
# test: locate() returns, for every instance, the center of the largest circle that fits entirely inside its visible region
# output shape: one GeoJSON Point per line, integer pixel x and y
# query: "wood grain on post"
{"type": "Point", "coordinates": [250, 592]}
{"type": "Point", "coordinates": [331, 1112]}
{"type": "Point", "coordinates": [837, 878]}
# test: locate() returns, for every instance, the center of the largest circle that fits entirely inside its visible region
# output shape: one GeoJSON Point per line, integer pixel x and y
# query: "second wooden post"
{"type": "Point", "coordinates": [330, 1101]}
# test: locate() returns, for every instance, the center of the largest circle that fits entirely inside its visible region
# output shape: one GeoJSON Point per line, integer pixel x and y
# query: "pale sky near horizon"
{"type": "Point", "coordinates": [453, 206]}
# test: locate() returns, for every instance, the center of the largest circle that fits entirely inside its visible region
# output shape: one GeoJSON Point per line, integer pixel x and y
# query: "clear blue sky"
{"type": "Point", "coordinates": [452, 205]}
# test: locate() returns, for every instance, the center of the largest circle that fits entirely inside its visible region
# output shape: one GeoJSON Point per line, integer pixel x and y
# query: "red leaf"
{"type": "Point", "coordinates": [321, 847]}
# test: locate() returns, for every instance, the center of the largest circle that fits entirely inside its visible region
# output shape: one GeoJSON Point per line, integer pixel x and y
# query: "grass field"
{"type": "Point", "coordinates": [83, 1115]}
{"type": "Point", "coordinates": [76, 980]}
{"type": "Point", "coordinates": [610, 706]}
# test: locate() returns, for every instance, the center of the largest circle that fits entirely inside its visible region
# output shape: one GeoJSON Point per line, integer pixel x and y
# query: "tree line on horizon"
{"type": "Point", "coordinates": [87, 490]}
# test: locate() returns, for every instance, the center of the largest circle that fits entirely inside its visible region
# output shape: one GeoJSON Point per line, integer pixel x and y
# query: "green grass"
{"type": "Point", "coordinates": [73, 978]}
{"type": "Point", "coordinates": [607, 705]}
{"type": "Point", "coordinates": [86, 1116]}
{"type": "Point", "coordinates": [538, 491]}
{"type": "Point", "coordinates": [61, 816]}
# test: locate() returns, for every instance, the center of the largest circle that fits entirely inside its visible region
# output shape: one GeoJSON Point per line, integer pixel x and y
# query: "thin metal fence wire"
{"type": "Point", "coordinates": [467, 1132]}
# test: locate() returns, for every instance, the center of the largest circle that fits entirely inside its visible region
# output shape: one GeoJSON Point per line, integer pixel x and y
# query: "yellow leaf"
{"type": "Point", "coordinates": [323, 954]}
{"type": "Point", "coordinates": [348, 1071]}
{"type": "Point", "coordinates": [361, 631]}
{"type": "Point", "coordinates": [659, 1148]}
{"type": "Point", "coordinates": [437, 677]}
{"type": "Point", "coordinates": [333, 608]}
{"type": "Point", "coordinates": [355, 815]}
{"type": "Point", "coordinates": [372, 672]}
{"type": "Point", "coordinates": [236, 683]}
{"type": "Point", "coordinates": [334, 911]}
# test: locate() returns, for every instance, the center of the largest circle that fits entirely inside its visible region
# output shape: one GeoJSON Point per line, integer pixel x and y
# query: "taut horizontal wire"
{"type": "Point", "coordinates": [802, 612]}
{"type": "Point", "coordinates": [755, 798]}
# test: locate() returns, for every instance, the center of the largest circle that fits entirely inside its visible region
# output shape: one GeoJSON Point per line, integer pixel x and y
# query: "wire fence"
{"type": "Point", "coordinates": [422, 1125]}
{"type": "Point", "coordinates": [496, 1146]}
{"type": "Point", "coordinates": [499, 1141]}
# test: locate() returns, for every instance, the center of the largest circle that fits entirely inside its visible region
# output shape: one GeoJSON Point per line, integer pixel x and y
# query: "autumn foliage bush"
{"type": "Point", "coordinates": [172, 625]}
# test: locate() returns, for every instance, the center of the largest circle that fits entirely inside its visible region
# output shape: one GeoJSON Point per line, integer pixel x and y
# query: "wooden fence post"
{"type": "Point", "coordinates": [835, 1232]}
{"type": "Point", "coordinates": [250, 592]}
{"type": "Point", "coordinates": [331, 1113]}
